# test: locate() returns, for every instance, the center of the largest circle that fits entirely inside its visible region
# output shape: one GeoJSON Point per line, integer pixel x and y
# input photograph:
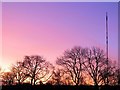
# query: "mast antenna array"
{"type": "Point", "coordinates": [107, 43]}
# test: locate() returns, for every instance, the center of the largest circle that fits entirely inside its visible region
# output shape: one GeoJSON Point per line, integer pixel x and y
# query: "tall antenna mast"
{"type": "Point", "coordinates": [107, 43]}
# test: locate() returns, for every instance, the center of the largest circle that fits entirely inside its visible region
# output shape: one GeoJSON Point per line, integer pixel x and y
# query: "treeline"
{"type": "Point", "coordinates": [57, 87]}
{"type": "Point", "coordinates": [77, 66]}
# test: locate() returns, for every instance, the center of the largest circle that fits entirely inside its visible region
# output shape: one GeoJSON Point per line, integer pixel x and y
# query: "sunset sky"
{"type": "Point", "coordinates": [48, 29]}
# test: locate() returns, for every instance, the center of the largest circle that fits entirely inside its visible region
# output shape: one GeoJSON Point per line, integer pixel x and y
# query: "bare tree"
{"type": "Point", "coordinates": [57, 76]}
{"type": "Point", "coordinates": [67, 80]}
{"type": "Point", "coordinates": [36, 68]}
{"type": "Point", "coordinates": [60, 77]}
{"type": "Point", "coordinates": [8, 78]}
{"type": "Point", "coordinates": [109, 72]}
{"type": "Point", "coordinates": [72, 61]}
{"type": "Point", "coordinates": [95, 63]}
{"type": "Point", "coordinates": [117, 76]}
{"type": "Point", "coordinates": [19, 72]}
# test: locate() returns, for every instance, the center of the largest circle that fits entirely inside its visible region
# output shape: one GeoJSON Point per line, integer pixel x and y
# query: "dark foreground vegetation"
{"type": "Point", "coordinates": [58, 87]}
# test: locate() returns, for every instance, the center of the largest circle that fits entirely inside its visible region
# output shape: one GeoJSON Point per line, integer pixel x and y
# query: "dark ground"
{"type": "Point", "coordinates": [57, 87]}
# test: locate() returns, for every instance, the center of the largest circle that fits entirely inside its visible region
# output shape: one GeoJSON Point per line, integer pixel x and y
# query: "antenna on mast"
{"type": "Point", "coordinates": [107, 43]}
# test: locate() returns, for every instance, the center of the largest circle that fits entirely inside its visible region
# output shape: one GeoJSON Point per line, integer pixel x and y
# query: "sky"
{"type": "Point", "coordinates": [48, 29]}
{"type": "Point", "coordinates": [60, 0]}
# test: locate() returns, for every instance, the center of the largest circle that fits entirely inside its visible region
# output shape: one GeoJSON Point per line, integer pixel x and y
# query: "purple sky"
{"type": "Point", "coordinates": [48, 29]}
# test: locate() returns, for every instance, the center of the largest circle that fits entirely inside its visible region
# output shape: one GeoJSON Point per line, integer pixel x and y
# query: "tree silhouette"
{"type": "Point", "coordinates": [78, 66]}
{"type": "Point", "coordinates": [67, 79]}
{"type": "Point", "coordinates": [117, 75]}
{"type": "Point", "coordinates": [72, 61]}
{"type": "Point", "coordinates": [8, 78]}
{"type": "Point", "coordinates": [110, 73]}
{"type": "Point", "coordinates": [36, 68]}
{"type": "Point", "coordinates": [19, 72]}
{"type": "Point", "coordinates": [57, 76]}
{"type": "Point", "coordinates": [95, 64]}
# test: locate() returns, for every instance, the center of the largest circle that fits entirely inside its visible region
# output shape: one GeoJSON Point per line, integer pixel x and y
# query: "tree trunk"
{"type": "Point", "coordinates": [31, 81]}
{"type": "Point", "coordinates": [96, 86]}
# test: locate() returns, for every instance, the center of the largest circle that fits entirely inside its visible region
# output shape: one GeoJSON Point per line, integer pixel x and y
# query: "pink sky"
{"type": "Point", "coordinates": [48, 29]}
